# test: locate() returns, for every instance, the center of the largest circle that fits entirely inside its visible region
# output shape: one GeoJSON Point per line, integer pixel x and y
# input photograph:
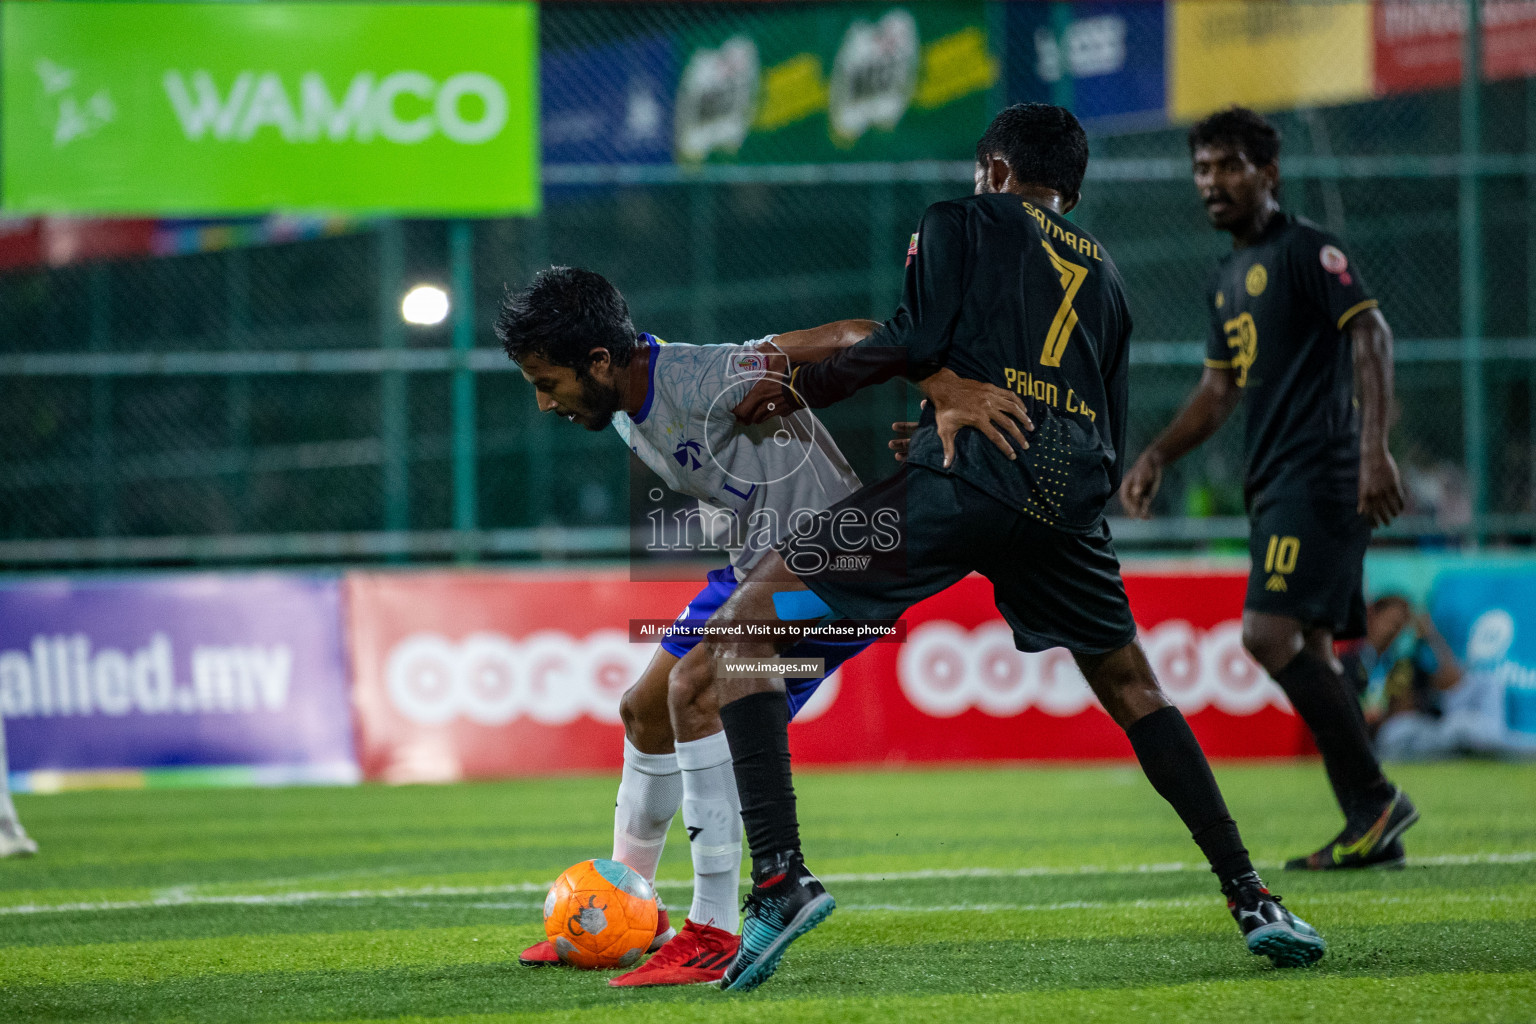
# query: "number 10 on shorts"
{"type": "Point", "coordinates": [1281, 554]}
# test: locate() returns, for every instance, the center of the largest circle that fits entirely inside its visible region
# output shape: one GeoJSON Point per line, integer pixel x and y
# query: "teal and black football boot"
{"type": "Point", "coordinates": [786, 901]}
{"type": "Point", "coordinates": [1269, 928]}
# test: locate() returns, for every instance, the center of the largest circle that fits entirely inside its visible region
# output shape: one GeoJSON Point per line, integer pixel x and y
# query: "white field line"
{"type": "Point", "coordinates": [1352, 899]}
{"type": "Point", "coordinates": [182, 896]}
{"type": "Point", "coordinates": [1329, 899]}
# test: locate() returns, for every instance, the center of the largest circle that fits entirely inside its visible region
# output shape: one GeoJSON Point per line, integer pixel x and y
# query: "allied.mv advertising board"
{"type": "Point", "coordinates": [174, 672]}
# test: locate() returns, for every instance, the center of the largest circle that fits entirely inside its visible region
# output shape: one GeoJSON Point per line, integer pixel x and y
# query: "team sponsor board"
{"type": "Point", "coordinates": [190, 670]}
{"type": "Point", "coordinates": [146, 108]}
{"type": "Point", "coordinates": [1418, 43]}
{"type": "Point", "coordinates": [477, 675]}
{"type": "Point", "coordinates": [1104, 60]}
{"type": "Point", "coordinates": [461, 675]}
{"type": "Point", "coordinates": [1269, 56]}
{"type": "Point", "coordinates": [1489, 619]}
{"type": "Point", "coordinates": [959, 690]}
{"type": "Point", "coordinates": [53, 241]}
{"type": "Point", "coordinates": [610, 103]}
{"type": "Point", "coordinates": [838, 82]}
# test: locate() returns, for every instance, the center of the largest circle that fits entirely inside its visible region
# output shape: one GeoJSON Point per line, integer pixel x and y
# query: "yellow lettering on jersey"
{"type": "Point", "coordinates": [1026, 383]}
{"type": "Point", "coordinates": [1038, 214]}
{"type": "Point", "coordinates": [1077, 405]}
{"type": "Point", "coordinates": [1051, 229]}
{"type": "Point", "coordinates": [1243, 337]}
{"type": "Point", "coordinates": [1072, 277]}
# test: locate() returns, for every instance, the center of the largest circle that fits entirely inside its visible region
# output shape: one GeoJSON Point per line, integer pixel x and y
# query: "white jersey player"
{"type": "Point", "coordinates": [571, 335]}
{"type": "Point", "coordinates": [751, 481]}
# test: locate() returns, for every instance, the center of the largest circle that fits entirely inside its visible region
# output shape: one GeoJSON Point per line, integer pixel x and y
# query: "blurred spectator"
{"type": "Point", "coordinates": [1427, 706]}
{"type": "Point", "coordinates": [1365, 660]}
{"type": "Point", "coordinates": [1438, 489]}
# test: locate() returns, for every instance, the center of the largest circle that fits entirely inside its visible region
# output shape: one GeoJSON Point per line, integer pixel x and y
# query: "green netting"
{"type": "Point", "coordinates": [127, 414]}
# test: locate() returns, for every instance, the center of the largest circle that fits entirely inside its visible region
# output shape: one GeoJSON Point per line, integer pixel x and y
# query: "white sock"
{"type": "Point", "coordinates": [712, 812]}
{"type": "Point", "coordinates": [7, 809]}
{"type": "Point", "coordinates": [650, 791]}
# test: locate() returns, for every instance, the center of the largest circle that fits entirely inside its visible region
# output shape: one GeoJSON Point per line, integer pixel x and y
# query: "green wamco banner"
{"type": "Point", "coordinates": [840, 82]}
{"type": "Point", "coordinates": [212, 108]}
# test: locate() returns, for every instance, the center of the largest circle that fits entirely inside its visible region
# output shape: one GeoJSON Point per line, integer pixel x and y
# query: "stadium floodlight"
{"type": "Point", "coordinates": [425, 304]}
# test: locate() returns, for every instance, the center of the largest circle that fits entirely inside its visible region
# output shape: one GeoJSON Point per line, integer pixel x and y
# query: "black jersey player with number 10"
{"type": "Point", "coordinates": [1294, 330]}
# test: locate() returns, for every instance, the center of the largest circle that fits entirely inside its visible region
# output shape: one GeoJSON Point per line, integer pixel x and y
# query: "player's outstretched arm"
{"type": "Point", "coordinates": [914, 341]}
{"type": "Point", "coordinates": [1204, 413]}
{"type": "Point", "coordinates": [774, 395]}
{"type": "Point", "coordinates": [1381, 489]}
{"type": "Point", "coordinates": [817, 343]}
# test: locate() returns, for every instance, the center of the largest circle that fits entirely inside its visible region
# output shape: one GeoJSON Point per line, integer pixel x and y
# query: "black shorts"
{"type": "Point", "coordinates": [1054, 589]}
{"type": "Point", "coordinates": [1309, 563]}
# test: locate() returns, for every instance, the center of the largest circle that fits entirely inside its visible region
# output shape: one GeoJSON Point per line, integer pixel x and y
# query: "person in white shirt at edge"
{"type": "Point", "coordinates": [673, 405]}
{"type": "Point", "coordinates": [14, 841]}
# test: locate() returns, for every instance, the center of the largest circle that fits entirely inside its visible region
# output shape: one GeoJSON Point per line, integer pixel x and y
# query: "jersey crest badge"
{"type": "Point", "coordinates": [687, 454]}
{"type": "Point", "coordinates": [1257, 280]}
{"type": "Point", "coordinates": [912, 249]}
{"type": "Point", "coordinates": [1335, 262]}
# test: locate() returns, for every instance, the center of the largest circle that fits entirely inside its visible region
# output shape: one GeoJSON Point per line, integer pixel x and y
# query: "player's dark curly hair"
{"type": "Point", "coordinates": [564, 314]}
{"type": "Point", "coordinates": [1044, 146]}
{"type": "Point", "coordinates": [1243, 130]}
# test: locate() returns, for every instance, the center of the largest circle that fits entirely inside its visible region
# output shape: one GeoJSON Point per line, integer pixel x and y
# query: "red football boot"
{"type": "Point", "coordinates": [698, 955]}
{"type": "Point", "coordinates": [542, 953]}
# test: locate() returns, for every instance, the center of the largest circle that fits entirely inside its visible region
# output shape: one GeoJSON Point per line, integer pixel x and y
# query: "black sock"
{"type": "Point", "coordinates": [1323, 699]}
{"type": "Point", "coordinates": [1176, 766]}
{"type": "Point", "coordinates": [757, 729]}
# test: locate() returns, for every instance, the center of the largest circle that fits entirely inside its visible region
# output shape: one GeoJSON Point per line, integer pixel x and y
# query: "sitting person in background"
{"type": "Point", "coordinates": [1365, 660]}
{"type": "Point", "coordinates": [1393, 672]}
{"type": "Point", "coordinates": [1433, 708]}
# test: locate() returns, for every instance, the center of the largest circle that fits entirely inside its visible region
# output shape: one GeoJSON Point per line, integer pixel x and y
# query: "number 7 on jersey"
{"type": "Point", "coordinates": [1072, 277]}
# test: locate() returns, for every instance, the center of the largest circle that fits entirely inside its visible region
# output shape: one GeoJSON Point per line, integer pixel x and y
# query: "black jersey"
{"type": "Point", "coordinates": [1001, 290]}
{"type": "Point", "coordinates": [1278, 310]}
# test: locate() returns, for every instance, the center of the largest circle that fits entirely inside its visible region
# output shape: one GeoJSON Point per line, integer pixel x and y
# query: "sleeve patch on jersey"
{"type": "Point", "coordinates": [1334, 260]}
{"type": "Point", "coordinates": [750, 362]}
{"type": "Point", "coordinates": [912, 249]}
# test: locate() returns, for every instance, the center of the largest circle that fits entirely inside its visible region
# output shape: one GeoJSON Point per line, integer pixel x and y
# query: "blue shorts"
{"type": "Point", "coordinates": [722, 583]}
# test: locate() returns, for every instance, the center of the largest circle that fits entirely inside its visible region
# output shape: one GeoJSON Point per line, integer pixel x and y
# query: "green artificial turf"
{"type": "Point", "coordinates": [1000, 894]}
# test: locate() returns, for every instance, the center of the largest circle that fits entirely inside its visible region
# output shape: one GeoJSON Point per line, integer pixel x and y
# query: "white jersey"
{"type": "Point", "coordinates": [752, 482]}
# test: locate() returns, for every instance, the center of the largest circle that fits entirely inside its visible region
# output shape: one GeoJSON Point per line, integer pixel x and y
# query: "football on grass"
{"type": "Point", "coordinates": [600, 914]}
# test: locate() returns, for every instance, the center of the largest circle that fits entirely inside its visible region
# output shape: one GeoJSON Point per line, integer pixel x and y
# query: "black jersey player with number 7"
{"type": "Point", "coordinates": [1003, 296]}
{"type": "Point", "coordinates": [1294, 330]}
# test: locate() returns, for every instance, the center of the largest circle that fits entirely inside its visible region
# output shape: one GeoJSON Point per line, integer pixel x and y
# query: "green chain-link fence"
{"type": "Point", "coordinates": [268, 403]}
